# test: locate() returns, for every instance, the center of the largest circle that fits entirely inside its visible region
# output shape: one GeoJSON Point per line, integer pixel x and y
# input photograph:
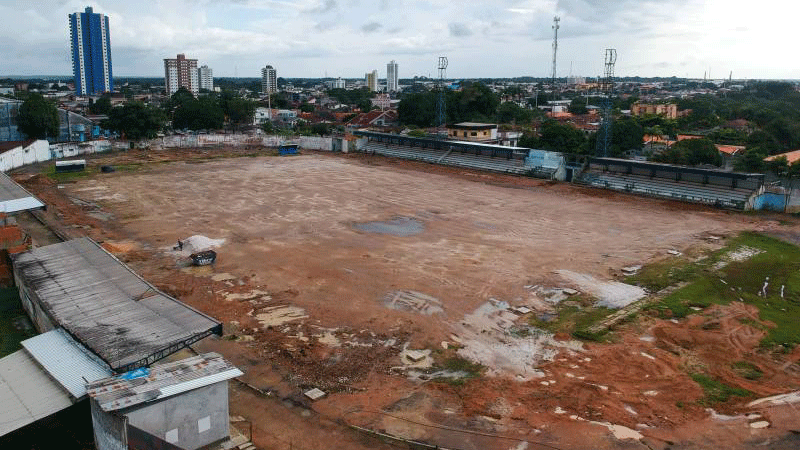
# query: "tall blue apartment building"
{"type": "Point", "coordinates": [91, 52]}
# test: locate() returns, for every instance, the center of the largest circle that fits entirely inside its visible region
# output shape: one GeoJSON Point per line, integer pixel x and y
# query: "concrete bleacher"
{"type": "Point", "coordinates": [665, 188]}
{"type": "Point", "coordinates": [453, 158]}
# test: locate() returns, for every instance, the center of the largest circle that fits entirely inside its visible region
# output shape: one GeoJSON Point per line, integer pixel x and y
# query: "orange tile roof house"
{"type": "Point", "coordinates": [791, 157]}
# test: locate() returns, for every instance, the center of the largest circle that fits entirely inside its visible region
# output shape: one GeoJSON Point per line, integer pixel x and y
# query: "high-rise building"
{"type": "Point", "coordinates": [181, 72]}
{"type": "Point", "coordinates": [91, 52]}
{"type": "Point", "coordinates": [338, 83]}
{"type": "Point", "coordinates": [206, 77]}
{"type": "Point", "coordinates": [269, 80]}
{"type": "Point", "coordinates": [371, 78]}
{"type": "Point", "coordinates": [391, 77]}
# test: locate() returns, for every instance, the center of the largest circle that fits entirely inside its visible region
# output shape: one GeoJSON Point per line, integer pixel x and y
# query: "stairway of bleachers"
{"type": "Point", "coordinates": [471, 161]}
{"type": "Point", "coordinates": [665, 188]}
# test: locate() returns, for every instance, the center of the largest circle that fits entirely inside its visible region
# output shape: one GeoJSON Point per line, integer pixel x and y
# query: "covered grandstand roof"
{"type": "Point", "coordinates": [674, 168]}
{"type": "Point", "coordinates": [107, 307]}
{"type": "Point", "coordinates": [439, 143]}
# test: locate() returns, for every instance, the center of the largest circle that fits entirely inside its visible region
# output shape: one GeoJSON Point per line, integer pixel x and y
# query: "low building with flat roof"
{"type": "Point", "coordinates": [472, 131]}
{"type": "Point", "coordinates": [124, 320]}
{"type": "Point", "coordinates": [184, 403]}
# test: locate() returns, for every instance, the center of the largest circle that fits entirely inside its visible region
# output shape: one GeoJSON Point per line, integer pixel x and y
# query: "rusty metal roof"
{"type": "Point", "coordinates": [107, 307]}
{"type": "Point", "coordinates": [157, 382]}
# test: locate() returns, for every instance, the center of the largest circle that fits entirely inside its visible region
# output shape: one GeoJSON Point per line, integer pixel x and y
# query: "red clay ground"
{"type": "Point", "coordinates": [302, 286]}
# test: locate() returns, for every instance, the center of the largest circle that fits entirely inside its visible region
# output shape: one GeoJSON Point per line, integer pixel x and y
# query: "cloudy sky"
{"type": "Point", "coordinates": [498, 38]}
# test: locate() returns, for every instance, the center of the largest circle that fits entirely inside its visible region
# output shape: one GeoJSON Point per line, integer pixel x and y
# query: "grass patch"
{"type": "Point", "coordinates": [12, 316]}
{"type": "Point", "coordinates": [459, 364]}
{"type": "Point", "coordinates": [659, 275]}
{"type": "Point", "coordinates": [65, 177]}
{"type": "Point", "coordinates": [717, 391]}
{"type": "Point", "coordinates": [574, 320]}
{"type": "Point", "coordinates": [747, 370]}
{"type": "Point", "coordinates": [778, 264]}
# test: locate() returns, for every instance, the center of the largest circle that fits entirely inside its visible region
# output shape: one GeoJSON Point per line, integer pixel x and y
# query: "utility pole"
{"type": "Point", "coordinates": [607, 89]}
{"type": "Point", "coordinates": [556, 26]}
{"type": "Point", "coordinates": [441, 111]}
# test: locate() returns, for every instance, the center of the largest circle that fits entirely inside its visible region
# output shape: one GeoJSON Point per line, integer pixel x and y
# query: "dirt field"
{"type": "Point", "coordinates": [360, 275]}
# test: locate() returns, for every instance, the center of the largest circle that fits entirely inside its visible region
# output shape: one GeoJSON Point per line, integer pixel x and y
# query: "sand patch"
{"type": "Point", "coordinates": [273, 316]}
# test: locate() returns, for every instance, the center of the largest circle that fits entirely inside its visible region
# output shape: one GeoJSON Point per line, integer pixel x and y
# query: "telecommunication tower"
{"type": "Point", "coordinates": [556, 20]}
{"type": "Point", "coordinates": [441, 111]}
{"type": "Point", "coordinates": [607, 90]}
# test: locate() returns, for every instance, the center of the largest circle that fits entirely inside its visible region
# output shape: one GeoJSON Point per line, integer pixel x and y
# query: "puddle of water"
{"type": "Point", "coordinates": [399, 226]}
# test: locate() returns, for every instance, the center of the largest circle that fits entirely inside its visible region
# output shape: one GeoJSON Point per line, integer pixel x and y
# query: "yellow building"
{"type": "Point", "coordinates": [472, 131]}
{"type": "Point", "coordinates": [668, 110]}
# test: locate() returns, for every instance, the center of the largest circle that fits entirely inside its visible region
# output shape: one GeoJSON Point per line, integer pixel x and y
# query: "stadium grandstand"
{"type": "Point", "coordinates": [732, 190]}
{"type": "Point", "coordinates": [472, 155]}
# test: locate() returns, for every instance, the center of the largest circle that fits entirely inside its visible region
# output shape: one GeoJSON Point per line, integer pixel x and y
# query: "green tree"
{"type": "Point", "coordinates": [417, 109]}
{"type": "Point", "coordinates": [779, 166]}
{"type": "Point", "coordinates": [322, 129]}
{"type": "Point", "coordinates": [135, 121]}
{"type": "Point", "coordinates": [578, 106]}
{"type": "Point", "coordinates": [626, 134]}
{"type": "Point", "coordinates": [510, 112]}
{"type": "Point", "coordinates": [751, 161]}
{"type": "Point", "coordinates": [307, 108]}
{"type": "Point", "coordinates": [102, 105]}
{"type": "Point", "coordinates": [199, 114]}
{"type": "Point", "coordinates": [561, 138]}
{"type": "Point", "coordinates": [38, 118]}
{"type": "Point", "coordinates": [239, 111]}
{"type": "Point", "coordinates": [691, 152]}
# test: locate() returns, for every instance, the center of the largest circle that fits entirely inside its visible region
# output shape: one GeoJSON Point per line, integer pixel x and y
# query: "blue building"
{"type": "Point", "coordinates": [91, 52]}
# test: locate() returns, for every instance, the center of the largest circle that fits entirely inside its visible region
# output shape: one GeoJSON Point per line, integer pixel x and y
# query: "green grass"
{"type": "Point", "coordinates": [574, 320]}
{"type": "Point", "coordinates": [717, 391]}
{"type": "Point", "coordinates": [747, 370]}
{"type": "Point", "coordinates": [63, 177]}
{"type": "Point", "coordinates": [11, 315]}
{"type": "Point", "coordinates": [742, 281]}
{"type": "Point", "coordinates": [459, 364]}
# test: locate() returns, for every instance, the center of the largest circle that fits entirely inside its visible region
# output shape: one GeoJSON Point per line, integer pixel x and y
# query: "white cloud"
{"type": "Point", "coordinates": [482, 38]}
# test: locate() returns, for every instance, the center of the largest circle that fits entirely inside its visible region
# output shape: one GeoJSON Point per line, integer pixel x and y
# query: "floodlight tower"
{"type": "Point", "coordinates": [556, 20]}
{"type": "Point", "coordinates": [607, 90]}
{"type": "Point", "coordinates": [441, 111]}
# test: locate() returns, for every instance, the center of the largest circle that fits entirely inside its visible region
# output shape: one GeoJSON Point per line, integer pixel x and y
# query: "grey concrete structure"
{"type": "Point", "coordinates": [184, 403]}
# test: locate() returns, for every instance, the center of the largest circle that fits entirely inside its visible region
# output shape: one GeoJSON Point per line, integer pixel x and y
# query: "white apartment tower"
{"type": "Point", "coordinates": [206, 77]}
{"type": "Point", "coordinates": [371, 78]}
{"type": "Point", "coordinates": [181, 72]}
{"type": "Point", "coordinates": [269, 80]}
{"type": "Point", "coordinates": [391, 77]}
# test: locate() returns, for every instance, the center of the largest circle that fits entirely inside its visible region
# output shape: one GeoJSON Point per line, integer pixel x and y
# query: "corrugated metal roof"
{"type": "Point", "coordinates": [27, 393]}
{"type": "Point", "coordinates": [14, 198]}
{"type": "Point", "coordinates": [67, 361]}
{"type": "Point", "coordinates": [109, 309]}
{"type": "Point", "coordinates": [157, 382]}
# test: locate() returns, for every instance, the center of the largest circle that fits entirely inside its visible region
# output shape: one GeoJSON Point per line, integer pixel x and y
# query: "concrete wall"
{"type": "Point", "coordinates": [180, 419]}
{"type": "Point", "coordinates": [109, 429]}
{"type": "Point", "coordinates": [32, 306]}
{"type": "Point", "coordinates": [36, 152]}
{"type": "Point", "coordinates": [71, 149]}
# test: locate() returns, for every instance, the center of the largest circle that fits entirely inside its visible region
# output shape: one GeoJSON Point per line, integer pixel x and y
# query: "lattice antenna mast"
{"type": "Point", "coordinates": [607, 90]}
{"type": "Point", "coordinates": [556, 20]}
{"type": "Point", "coordinates": [441, 111]}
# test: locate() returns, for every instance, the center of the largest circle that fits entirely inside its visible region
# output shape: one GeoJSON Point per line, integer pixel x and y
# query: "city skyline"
{"type": "Point", "coordinates": [315, 38]}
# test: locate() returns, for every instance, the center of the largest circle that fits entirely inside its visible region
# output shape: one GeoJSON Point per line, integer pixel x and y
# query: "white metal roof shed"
{"type": "Point", "coordinates": [27, 393]}
{"type": "Point", "coordinates": [67, 361]}
{"type": "Point", "coordinates": [14, 198]}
